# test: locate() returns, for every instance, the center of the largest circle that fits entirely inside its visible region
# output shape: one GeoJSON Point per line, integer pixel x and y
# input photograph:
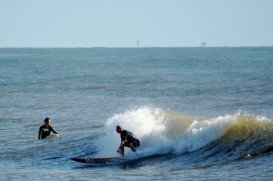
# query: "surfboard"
{"type": "Point", "coordinates": [95, 160]}
{"type": "Point", "coordinates": [52, 136]}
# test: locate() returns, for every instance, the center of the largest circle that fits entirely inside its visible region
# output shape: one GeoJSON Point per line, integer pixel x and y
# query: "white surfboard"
{"type": "Point", "coordinates": [52, 136]}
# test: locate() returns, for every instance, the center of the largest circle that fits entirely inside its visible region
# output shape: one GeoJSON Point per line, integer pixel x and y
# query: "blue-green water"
{"type": "Point", "coordinates": [197, 111]}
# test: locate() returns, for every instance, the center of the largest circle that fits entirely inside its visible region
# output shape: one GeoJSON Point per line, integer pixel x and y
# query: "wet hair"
{"type": "Point", "coordinates": [46, 119]}
{"type": "Point", "coordinates": [118, 128]}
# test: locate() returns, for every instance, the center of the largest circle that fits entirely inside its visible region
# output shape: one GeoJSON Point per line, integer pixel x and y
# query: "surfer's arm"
{"type": "Point", "coordinates": [121, 144]}
{"type": "Point", "coordinates": [121, 148]}
{"type": "Point", "coordinates": [39, 133]}
{"type": "Point", "coordinates": [55, 132]}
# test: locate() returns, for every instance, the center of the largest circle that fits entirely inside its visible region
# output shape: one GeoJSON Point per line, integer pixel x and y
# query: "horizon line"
{"type": "Point", "coordinates": [249, 46]}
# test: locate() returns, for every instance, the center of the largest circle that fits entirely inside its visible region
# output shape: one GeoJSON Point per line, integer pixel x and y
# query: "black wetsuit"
{"type": "Point", "coordinates": [128, 138]}
{"type": "Point", "coordinates": [44, 131]}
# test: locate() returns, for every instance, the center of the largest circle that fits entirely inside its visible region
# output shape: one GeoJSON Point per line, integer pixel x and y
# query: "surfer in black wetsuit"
{"type": "Point", "coordinates": [46, 129]}
{"type": "Point", "coordinates": [127, 139]}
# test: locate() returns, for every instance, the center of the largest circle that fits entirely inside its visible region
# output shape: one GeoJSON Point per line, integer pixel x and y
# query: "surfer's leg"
{"type": "Point", "coordinates": [132, 147]}
{"type": "Point", "coordinates": [122, 151]}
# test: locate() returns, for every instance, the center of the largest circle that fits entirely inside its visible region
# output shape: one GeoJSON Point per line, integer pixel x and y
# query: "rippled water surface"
{"type": "Point", "coordinates": [197, 112]}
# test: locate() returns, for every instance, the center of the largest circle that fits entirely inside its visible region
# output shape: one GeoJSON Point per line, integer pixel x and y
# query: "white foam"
{"type": "Point", "coordinates": [200, 134]}
{"type": "Point", "coordinates": [149, 125]}
{"type": "Point", "coordinates": [143, 122]}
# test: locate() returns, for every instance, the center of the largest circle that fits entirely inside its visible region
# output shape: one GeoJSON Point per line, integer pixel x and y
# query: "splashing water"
{"type": "Point", "coordinates": [162, 132]}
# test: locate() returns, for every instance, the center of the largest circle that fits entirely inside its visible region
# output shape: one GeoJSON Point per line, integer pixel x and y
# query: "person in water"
{"type": "Point", "coordinates": [127, 139]}
{"type": "Point", "coordinates": [46, 129]}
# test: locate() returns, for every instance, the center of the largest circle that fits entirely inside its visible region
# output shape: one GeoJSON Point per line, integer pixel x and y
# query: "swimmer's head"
{"type": "Point", "coordinates": [47, 121]}
{"type": "Point", "coordinates": [119, 129]}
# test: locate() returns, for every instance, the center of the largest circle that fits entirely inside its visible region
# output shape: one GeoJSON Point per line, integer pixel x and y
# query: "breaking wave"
{"type": "Point", "coordinates": [168, 132]}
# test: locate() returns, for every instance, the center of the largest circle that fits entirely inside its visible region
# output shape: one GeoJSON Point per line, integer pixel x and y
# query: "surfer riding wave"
{"type": "Point", "coordinates": [128, 139]}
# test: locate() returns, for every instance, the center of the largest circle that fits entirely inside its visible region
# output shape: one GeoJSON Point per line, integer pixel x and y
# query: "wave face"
{"type": "Point", "coordinates": [166, 132]}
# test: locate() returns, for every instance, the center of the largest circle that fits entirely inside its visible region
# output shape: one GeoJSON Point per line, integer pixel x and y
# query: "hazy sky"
{"type": "Point", "coordinates": [121, 23]}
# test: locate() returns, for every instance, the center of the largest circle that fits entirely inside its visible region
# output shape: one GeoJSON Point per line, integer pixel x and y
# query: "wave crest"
{"type": "Point", "coordinates": [163, 131]}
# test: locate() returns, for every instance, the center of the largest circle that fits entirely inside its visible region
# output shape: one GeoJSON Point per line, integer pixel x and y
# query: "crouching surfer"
{"type": "Point", "coordinates": [46, 129]}
{"type": "Point", "coordinates": [127, 139]}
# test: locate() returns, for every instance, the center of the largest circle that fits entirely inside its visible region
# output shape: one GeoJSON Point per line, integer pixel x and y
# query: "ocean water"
{"type": "Point", "coordinates": [197, 112]}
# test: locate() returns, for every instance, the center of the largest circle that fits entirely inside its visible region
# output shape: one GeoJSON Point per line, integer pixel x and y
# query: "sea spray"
{"type": "Point", "coordinates": [202, 133]}
{"type": "Point", "coordinates": [152, 127]}
{"type": "Point", "coordinates": [146, 123]}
